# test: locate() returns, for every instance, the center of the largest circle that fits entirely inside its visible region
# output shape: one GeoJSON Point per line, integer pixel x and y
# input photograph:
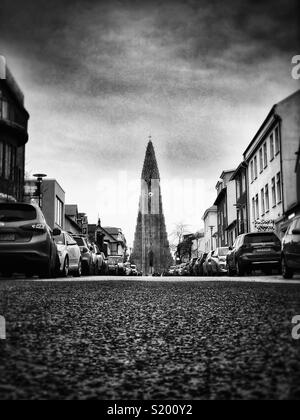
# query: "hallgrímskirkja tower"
{"type": "Point", "coordinates": [151, 251]}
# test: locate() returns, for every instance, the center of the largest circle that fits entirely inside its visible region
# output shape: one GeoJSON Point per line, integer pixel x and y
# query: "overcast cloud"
{"type": "Point", "coordinates": [99, 77]}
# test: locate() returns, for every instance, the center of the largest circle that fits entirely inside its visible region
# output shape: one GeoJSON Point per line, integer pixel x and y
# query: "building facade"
{"type": "Point", "coordinates": [71, 219]}
{"type": "Point", "coordinates": [273, 194]}
{"type": "Point", "coordinates": [226, 211]}
{"type": "Point", "coordinates": [13, 137]}
{"type": "Point", "coordinates": [240, 178]}
{"type": "Point", "coordinates": [151, 250]}
{"type": "Point", "coordinates": [210, 219]}
{"type": "Point", "coordinates": [53, 203]}
{"type": "Point", "coordinates": [110, 240]}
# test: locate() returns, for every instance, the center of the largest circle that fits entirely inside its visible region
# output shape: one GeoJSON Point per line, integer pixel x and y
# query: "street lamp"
{"type": "Point", "coordinates": [39, 179]}
{"type": "Point", "coordinates": [211, 233]}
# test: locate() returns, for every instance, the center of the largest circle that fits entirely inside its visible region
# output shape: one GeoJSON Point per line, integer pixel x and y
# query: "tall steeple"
{"type": "Point", "coordinates": [151, 251]}
{"type": "Point", "coordinates": [150, 169]}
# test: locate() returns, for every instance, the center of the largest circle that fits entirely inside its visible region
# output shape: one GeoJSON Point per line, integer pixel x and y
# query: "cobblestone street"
{"type": "Point", "coordinates": [149, 340]}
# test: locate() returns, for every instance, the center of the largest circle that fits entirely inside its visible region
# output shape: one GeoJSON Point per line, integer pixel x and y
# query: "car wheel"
{"type": "Point", "coordinates": [78, 272]}
{"type": "Point", "coordinates": [239, 271]}
{"type": "Point", "coordinates": [97, 270]}
{"type": "Point", "coordinates": [66, 268]}
{"type": "Point", "coordinates": [230, 271]}
{"type": "Point", "coordinates": [46, 271]}
{"type": "Point", "coordinates": [287, 273]}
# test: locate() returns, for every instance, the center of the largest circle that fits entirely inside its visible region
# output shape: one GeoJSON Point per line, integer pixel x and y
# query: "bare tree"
{"type": "Point", "coordinates": [177, 235]}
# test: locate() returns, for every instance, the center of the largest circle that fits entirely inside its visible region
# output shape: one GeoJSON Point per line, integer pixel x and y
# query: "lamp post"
{"type": "Point", "coordinates": [39, 179]}
{"type": "Point", "coordinates": [211, 234]}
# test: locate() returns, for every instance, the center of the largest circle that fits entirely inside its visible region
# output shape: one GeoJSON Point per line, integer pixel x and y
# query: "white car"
{"type": "Point", "coordinates": [69, 255]}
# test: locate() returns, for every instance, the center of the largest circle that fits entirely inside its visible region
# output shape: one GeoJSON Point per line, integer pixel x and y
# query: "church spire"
{"type": "Point", "coordinates": [150, 169]}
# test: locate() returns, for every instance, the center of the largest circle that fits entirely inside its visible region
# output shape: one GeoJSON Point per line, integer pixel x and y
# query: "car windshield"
{"type": "Point", "coordinates": [60, 239]}
{"type": "Point", "coordinates": [17, 213]}
{"type": "Point", "coordinates": [223, 252]}
{"type": "Point", "coordinates": [80, 241]}
{"type": "Point", "coordinates": [261, 239]}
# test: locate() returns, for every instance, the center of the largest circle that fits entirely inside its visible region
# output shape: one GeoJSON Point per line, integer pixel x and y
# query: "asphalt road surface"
{"type": "Point", "coordinates": [171, 339]}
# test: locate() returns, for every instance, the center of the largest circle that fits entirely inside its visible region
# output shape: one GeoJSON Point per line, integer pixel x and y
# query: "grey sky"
{"type": "Point", "coordinates": [99, 77]}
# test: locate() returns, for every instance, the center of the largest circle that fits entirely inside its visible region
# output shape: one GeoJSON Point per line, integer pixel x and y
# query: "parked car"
{"type": "Point", "coordinates": [99, 261]}
{"type": "Point", "coordinates": [127, 267]}
{"type": "Point", "coordinates": [69, 255]}
{"type": "Point", "coordinates": [191, 266]}
{"type": "Point", "coordinates": [290, 257]}
{"type": "Point", "coordinates": [219, 261]}
{"type": "Point", "coordinates": [207, 265]}
{"type": "Point", "coordinates": [116, 265]}
{"type": "Point", "coordinates": [172, 271]}
{"type": "Point", "coordinates": [134, 271]}
{"type": "Point", "coordinates": [183, 270]}
{"type": "Point", "coordinates": [26, 242]}
{"type": "Point", "coordinates": [87, 257]}
{"type": "Point", "coordinates": [251, 251]}
{"type": "Point", "coordinates": [156, 274]}
{"type": "Point", "coordinates": [198, 267]}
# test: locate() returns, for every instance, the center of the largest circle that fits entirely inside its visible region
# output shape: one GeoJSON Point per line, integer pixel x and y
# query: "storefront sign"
{"type": "Point", "coordinates": [264, 225]}
{"type": "Point", "coordinates": [31, 189]}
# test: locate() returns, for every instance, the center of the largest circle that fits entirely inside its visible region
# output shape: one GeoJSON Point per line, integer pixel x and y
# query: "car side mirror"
{"type": "Point", "coordinates": [56, 232]}
{"type": "Point", "coordinates": [296, 232]}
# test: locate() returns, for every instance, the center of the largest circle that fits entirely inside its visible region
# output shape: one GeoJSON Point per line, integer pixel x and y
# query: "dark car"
{"type": "Point", "coordinates": [191, 266]}
{"type": "Point", "coordinates": [87, 255]}
{"type": "Point", "coordinates": [198, 267]}
{"type": "Point", "coordinates": [291, 250]}
{"type": "Point", "coordinates": [26, 242]}
{"type": "Point", "coordinates": [252, 251]}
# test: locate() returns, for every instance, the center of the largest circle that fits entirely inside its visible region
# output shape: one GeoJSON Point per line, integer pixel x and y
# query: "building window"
{"type": "Point", "coordinates": [253, 209]}
{"type": "Point", "coordinates": [59, 212]}
{"type": "Point", "coordinates": [278, 185]}
{"type": "Point", "coordinates": [257, 206]}
{"type": "Point", "coordinates": [4, 109]}
{"type": "Point", "coordinates": [272, 149]}
{"type": "Point", "coordinates": [274, 192]}
{"type": "Point", "coordinates": [114, 249]}
{"type": "Point", "coordinates": [261, 160]}
{"type": "Point", "coordinates": [267, 199]}
{"type": "Point", "coordinates": [265, 155]}
{"type": "Point", "coordinates": [255, 168]}
{"type": "Point", "coordinates": [244, 186]}
{"type": "Point", "coordinates": [263, 206]}
{"type": "Point", "coordinates": [238, 188]}
{"type": "Point", "coordinates": [277, 140]}
{"type": "Point", "coordinates": [252, 170]}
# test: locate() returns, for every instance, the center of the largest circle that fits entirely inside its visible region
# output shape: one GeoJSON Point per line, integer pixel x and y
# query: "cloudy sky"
{"type": "Point", "coordinates": [99, 77]}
